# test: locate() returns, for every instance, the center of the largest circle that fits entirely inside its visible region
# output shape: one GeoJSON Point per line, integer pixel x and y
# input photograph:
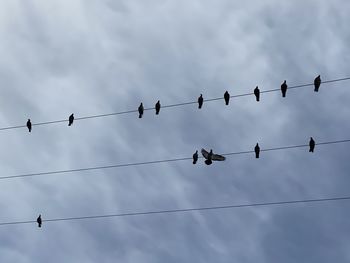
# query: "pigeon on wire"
{"type": "Point", "coordinates": [257, 93]}
{"type": "Point", "coordinates": [284, 87]}
{"type": "Point", "coordinates": [71, 119]}
{"type": "Point", "coordinates": [140, 109]}
{"type": "Point", "coordinates": [39, 221]}
{"type": "Point", "coordinates": [195, 157]}
{"type": "Point", "coordinates": [311, 145]}
{"type": "Point", "coordinates": [29, 125]}
{"type": "Point", "coordinates": [157, 107]}
{"type": "Point", "coordinates": [227, 97]}
{"type": "Point", "coordinates": [200, 101]}
{"type": "Point", "coordinates": [210, 157]}
{"type": "Point", "coordinates": [257, 150]}
{"type": "Point", "coordinates": [317, 83]}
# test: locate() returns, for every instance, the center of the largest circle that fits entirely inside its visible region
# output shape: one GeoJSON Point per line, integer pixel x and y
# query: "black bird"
{"type": "Point", "coordinates": [317, 83]}
{"type": "Point", "coordinates": [257, 93]}
{"type": "Point", "coordinates": [284, 87]}
{"type": "Point", "coordinates": [140, 110]}
{"type": "Point", "coordinates": [29, 125]}
{"type": "Point", "coordinates": [257, 150]}
{"type": "Point", "coordinates": [227, 97]}
{"type": "Point", "coordinates": [39, 221]}
{"type": "Point", "coordinates": [312, 145]}
{"type": "Point", "coordinates": [210, 157]}
{"type": "Point", "coordinates": [157, 107]}
{"type": "Point", "coordinates": [200, 101]}
{"type": "Point", "coordinates": [195, 157]}
{"type": "Point", "coordinates": [71, 119]}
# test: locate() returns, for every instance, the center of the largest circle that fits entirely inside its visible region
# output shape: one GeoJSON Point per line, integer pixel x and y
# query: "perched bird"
{"type": "Point", "coordinates": [257, 150]}
{"type": "Point", "coordinates": [317, 83]}
{"type": "Point", "coordinates": [195, 157]}
{"type": "Point", "coordinates": [39, 221]}
{"type": "Point", "coordinates": [157, 107]}
{"type": "Point", "coordinates": [312, 145]}
{"type": "Point", "coordinates": [140, 109]}
{"type": "Point", "coordinates": [257, 93]}
{"type": "Point", "coordinates": [29, 125]}
{"type": "Point", "coordinates": [71, 119]}
{"type": "Point", "coordinates": [227, 97]}
{"type": "Point", "coordinates": [210, 157]}
{"type": "Point", "coordinates": [200, 101]}
{"type": "Point", "coordinates": [284, 87]}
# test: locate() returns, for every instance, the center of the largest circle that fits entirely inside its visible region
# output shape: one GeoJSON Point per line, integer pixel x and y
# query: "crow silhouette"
{"type": "Point", "coordinates": [29, 125]}
{"type": "Point", "coordinates": [71, 119]}
{"type": "Point", "coordinates": [200, 101]}
{"type": "Point", "coordinates": [140, 109]}
{"type": "Point", "coordinates": [257, 151]}
{"type": "Point", "coordinates": [284, 87]}
{"type": "Point", "coordinates": [227, 97]}
{"type": "Point", "coordinates": [317, 83]}
{"type": "Point", "coordinates": [311, 145]}
{"type": "Point", "coordinates": [195, 157]}
{"type": "Point", "coordinates": [257, 93]}
{"type": "Point", "coordinates": [39, 221]}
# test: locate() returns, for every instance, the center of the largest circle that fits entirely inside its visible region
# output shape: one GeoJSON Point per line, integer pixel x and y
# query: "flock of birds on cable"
{"type": "Point", "coordinates": [208, 156]}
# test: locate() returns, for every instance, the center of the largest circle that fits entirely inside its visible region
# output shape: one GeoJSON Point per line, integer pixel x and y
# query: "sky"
{"type": "Point", "coordinates": [101, 56]}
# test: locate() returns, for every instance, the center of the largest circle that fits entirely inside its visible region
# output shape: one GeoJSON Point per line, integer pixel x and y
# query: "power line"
{"type": "Point", "coordinates": [166, 106]}
{"type": "Point", "coordinates": [160, 161]}
{"type": "Point", "coordinates": [170, 211]}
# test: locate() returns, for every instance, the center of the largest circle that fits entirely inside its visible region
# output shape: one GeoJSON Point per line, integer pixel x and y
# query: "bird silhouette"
{"type": "Point", "coordinates": [195, 157]}
{"type": "Point", "coordinates": [29, 125]}
{"type": "Point", "coordinates": [71, 119]}
{"type": "Point", "coordinates": [157, 107]}
{"type": "Point", "coordinates": [257, 150]}
{"type": "Point", "coordinates": [227, 97]}
{"type": "Point", "coordinates": [140, 109]}
{"type": "Point", "coordinates": [317, 83]}
{"type": "Point", "coordinates": [200, 101]}
{"type": "Point", "coordinates": [210, 157]}
{"type": "Point", "coordinates": [257, 93]}
{"type": "Point", "coordinates": [284, 87]}
{"type": "Point", "coordinates": [39, 221]}
{"type": "Point", "coordinates": [311, 145]}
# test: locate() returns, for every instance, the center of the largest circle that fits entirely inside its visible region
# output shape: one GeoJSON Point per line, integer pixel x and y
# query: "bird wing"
{"type": "Point", "coordinates": [218, 157]}
{"type": "Point", "coordinates": [205, 153]}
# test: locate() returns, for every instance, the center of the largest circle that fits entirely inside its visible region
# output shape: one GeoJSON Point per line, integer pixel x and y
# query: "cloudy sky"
{"type": "Point", "coordinates": [100, 56]}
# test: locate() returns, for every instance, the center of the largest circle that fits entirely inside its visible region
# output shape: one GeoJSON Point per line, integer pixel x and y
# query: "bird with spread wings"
{"type": "Point", "coordinates": [210, 157]}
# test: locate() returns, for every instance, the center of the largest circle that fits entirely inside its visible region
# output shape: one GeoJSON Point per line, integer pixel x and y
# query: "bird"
{"type": "Point", "coordinates": [312, 145]}
{"type": "Point", "coordinates": [257, 93]}
{"type": "Point", "coordinates": [227, 97]}
{"type": "Point", "coordinates": [157, 107]}
{"type": "Point", "coordinates": [140, 109]}
{"type": "Point", "coordinates": [71, 119]}
{"type": "Point", "coordinates": [39, 221]}
{"type": "Point", "coordinates": [200, 101]}
{"type": "Point", "coordinates": [317, 83]}
{"type": "Point", "coordinates": [257, 150]}
{"type": "Point", "coordinates": [284, 87]}
{"type": "Point", "coordinates": [210, 157]}
{"type": "Point", "coordinates": [29, 125]}
{"type": "Point", "coordinates": [195, 157]}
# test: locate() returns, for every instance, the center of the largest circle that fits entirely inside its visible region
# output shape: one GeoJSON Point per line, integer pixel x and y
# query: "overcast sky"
{"type": "Point", "coordinates": [100, 56]}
